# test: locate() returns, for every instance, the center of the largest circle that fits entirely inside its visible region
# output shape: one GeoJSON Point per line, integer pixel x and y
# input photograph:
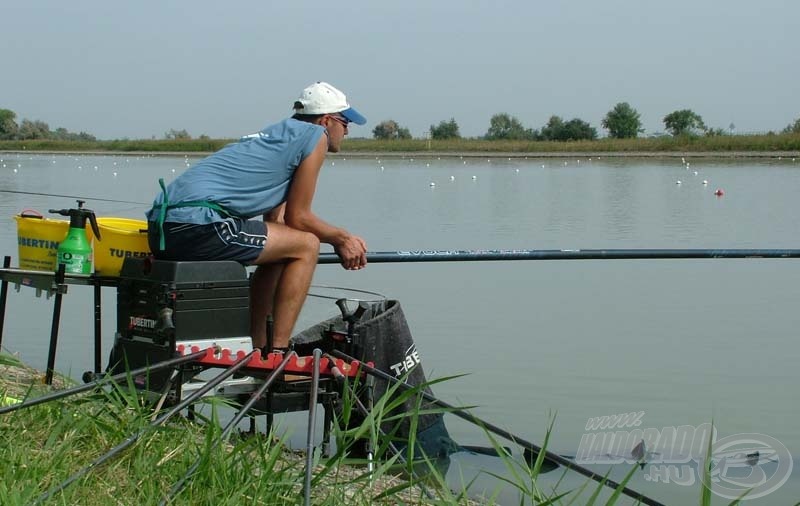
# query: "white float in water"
{"type": "Point", "coordinates": [474, 178]}
{"type": "Point", "coordinates": [432, 184]}
{"type": "Point", "coordinates": [705, 183]}
{"type": "Point", "coordinates": [678, 181]}
{"type": "Point", "coordinates": [452, 178]}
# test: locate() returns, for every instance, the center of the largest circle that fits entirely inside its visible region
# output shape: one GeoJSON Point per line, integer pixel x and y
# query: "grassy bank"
{"type": "Point", "coordinates": [666, 144]}
{"type": "Point", "coordinates": [57, 453]}
{"type": "Point", "coordinates": [42, 447]}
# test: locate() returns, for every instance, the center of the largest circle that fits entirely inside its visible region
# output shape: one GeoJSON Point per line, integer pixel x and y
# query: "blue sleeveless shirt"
{"type": "Point", "coordinates": [246, 178]}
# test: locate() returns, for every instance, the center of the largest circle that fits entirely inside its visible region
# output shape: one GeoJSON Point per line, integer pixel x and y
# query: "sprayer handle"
{"type": "Point", "coordinates": [95, 228]}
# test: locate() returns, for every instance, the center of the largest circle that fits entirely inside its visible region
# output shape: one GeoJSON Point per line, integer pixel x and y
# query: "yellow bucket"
{"type": "Point", "coordinates": [38, 238]}
{"type": "Point", "coordinates": [120, 238]}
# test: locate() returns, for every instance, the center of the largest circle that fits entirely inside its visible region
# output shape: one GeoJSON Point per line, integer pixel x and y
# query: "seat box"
{"type": "Point", "coordinates": [202, 299]}
{"type": "Point", "coordinates": [161, 303]}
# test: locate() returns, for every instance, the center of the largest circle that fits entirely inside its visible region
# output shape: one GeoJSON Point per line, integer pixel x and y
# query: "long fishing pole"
{"type": "Point", "coordinates": [102, 381]}
{"type": "Point", "coordinates": [254, 397]}
{"type": "Point", "coordinates": [160, 421]}
{"type": "Point", "coordinates": [553, 457]}
{"type": "Point", "coordinates": [39, 194]}
{"type": "Point", "coordinates": [561, 254]}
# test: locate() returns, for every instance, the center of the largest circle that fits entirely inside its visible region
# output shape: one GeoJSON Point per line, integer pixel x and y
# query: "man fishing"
{"type": "Point", "coordinates": [205, 213]}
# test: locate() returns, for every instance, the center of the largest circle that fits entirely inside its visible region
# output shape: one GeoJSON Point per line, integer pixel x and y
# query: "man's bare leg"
{"type": "Point", "coordinates": [262, 296]}
{"type": "Point", "coordinates": [297, 254]}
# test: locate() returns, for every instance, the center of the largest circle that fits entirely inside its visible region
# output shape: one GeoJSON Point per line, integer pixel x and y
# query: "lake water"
{"type": "Point", "coordinates": [683, 341]}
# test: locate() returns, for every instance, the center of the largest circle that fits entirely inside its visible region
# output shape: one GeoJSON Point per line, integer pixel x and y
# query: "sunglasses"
{"type": "Point", "coordinates": [341, 119]}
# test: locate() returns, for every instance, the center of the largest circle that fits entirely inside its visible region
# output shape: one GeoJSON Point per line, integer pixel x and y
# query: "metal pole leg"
{"type": "Point", "coordinates": [312, 417]}
{"type": "Point", "coordinates": [3, 297]}
{"type": "Point", "coordinates": [51, 355]}
{"type": "Point", "coordinates": [97, 328]}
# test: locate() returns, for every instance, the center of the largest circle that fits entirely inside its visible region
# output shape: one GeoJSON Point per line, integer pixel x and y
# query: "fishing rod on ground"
{"type": "Point", "coordinates": [561, 254]}
{"type": "Point", "coordinates": [105, 380]}
{"type": "Point", "coordinates": [552, 457]}
{"type": "Point", "coordinates": [245, 409]}
{"type": "Point", "coordinates": [211, 384]}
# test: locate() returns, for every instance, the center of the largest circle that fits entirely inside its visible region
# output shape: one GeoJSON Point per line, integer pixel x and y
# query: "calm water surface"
{"type": "Point", "coordinates": [684, 341]}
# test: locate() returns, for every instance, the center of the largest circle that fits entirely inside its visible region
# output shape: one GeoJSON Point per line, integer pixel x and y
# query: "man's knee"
{"type": "Point", "coordinates": [310, 245]}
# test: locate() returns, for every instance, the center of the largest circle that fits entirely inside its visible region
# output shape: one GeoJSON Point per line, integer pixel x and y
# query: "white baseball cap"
{"type": "Point", "coordinates": [322, 98]}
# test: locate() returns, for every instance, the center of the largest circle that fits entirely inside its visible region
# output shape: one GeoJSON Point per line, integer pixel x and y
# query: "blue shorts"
{"type": "Point", "coordinates": [232, 239]}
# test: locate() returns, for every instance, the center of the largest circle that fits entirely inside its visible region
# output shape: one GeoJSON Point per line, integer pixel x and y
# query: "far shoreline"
{"type": "Point", "coordinates": [454, 154]}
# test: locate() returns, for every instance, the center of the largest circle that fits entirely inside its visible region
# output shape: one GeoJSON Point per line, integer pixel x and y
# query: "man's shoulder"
{"type": "Point", "coordinates": [287, 128]}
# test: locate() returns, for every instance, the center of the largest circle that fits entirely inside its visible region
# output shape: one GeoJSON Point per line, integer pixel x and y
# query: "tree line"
{"type": "Point", "coordinates": [621, 122]}
{"type": "Point", "coordinates": [28, 130]}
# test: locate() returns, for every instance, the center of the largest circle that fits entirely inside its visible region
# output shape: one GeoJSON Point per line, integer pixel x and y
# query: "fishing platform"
{"type": "Point", "coordinates": [168, 310]}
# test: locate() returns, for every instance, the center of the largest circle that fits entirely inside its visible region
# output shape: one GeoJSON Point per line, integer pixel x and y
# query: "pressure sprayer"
{"type": "Point", "coordinates": [75, 251]}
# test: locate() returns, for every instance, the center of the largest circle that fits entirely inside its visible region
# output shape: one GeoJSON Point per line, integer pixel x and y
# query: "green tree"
{"type": "Point", "coordinates": [389, 129]}
{"type": "Point", "coordinates": [33, 130]}
{"type": "Point", "coordinates": [8, 124]}
{"type": "Point", "coordinates": [61, 134]}
{"type": "Point", "coordinates": [575, 129]}
{"type": "Point", "coordinates": [177, 134]}
{"type": "Point", "coordinates": [83, 136]}
{"type": "Point", "coordinates": [792, 128]}
{"type": "Point", "coordinates": [507, 127]}
{"type": "Point", "coordinates": [684, 122]}
{"type": "Point", "coordinates": [552, 130]}
{"type": "Point", "coordinates": [445, 130]}
{"type": "Point", "coordinates": [622, 122]}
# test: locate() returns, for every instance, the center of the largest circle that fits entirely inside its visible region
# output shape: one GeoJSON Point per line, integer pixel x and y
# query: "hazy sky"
{"type": "Point", "coordinates": [138, 69]}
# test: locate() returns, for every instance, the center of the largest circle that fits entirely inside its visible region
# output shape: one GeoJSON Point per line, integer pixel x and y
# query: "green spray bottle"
{"type": "Point", "coordinates": [75, 251]}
